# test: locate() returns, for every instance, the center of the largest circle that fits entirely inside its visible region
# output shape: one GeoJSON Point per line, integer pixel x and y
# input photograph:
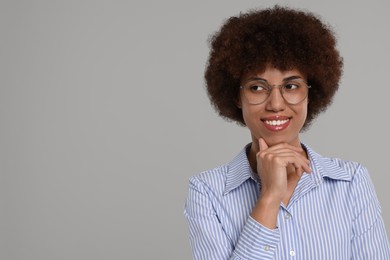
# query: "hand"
{"type": "Point", "coordinates": [276, 165]}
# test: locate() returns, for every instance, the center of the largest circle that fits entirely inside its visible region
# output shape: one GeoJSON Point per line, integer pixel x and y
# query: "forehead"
{"type": "Point", "coordinates": [272, 74]}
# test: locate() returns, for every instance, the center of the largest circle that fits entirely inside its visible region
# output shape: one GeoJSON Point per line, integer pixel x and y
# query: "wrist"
{"type": "Point", "coordinates": [268, 202]}
{"type": "Point", "coordinates": [266, 211]}
{"type": "Point", "coordinates": [268, 198]}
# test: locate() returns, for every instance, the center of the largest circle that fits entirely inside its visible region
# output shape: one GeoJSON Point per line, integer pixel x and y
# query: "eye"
{"type": "Point", "coordinates": [291, 86]}
{"type": "Point", "coordinates": [258, 88]}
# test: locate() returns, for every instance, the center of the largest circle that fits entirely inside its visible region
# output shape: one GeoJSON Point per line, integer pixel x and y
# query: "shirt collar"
{"type": "Point", "coordinates": [324, 167]}
{"type": "Point", "coordinates": [239, 169]}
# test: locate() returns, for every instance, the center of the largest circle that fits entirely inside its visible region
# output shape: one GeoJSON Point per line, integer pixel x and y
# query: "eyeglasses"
{"type": "Point", "coordinates": [293, 91]}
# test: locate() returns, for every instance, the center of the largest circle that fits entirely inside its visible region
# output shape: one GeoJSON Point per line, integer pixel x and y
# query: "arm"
{"type": "Point", "coordinates": [260, 235]}
{"type": "Point", "coordinates": [208, 238]}
{"type": "Point", "coordinates": [280, 168]}
{"type": "Point", "coordinates": [369, 239]}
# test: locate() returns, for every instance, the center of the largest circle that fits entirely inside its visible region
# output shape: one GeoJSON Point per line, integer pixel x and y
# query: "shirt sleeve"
{"type": "Point", "coordinates": [208, 238]}
{"type": "Point", "coordinates": [369, 239]}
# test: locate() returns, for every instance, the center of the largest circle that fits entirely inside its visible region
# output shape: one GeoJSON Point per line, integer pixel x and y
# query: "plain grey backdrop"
{"type": "Point", "coordinates": [104, 118]}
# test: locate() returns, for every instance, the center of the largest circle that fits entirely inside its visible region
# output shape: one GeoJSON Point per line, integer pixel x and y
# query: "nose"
{"type": "Point", "coordinates": [275, 101]}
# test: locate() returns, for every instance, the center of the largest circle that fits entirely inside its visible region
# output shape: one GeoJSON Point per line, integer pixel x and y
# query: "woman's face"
{"type": "Point", "coordinates": [275, 120]}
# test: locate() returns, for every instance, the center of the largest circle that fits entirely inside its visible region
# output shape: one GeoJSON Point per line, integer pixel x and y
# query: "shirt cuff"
{"type": "Point", "coordinates": [257, 241]}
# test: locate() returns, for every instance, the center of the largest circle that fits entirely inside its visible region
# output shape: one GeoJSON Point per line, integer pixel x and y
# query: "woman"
{"type": "Point", "coordinates": [274, 71]}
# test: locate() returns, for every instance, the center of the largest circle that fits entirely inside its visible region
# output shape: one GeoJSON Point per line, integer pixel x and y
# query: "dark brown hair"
{"type": "Point", "coordinates": [282, 37]}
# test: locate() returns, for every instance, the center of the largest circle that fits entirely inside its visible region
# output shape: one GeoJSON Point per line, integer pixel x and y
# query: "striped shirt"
{"type": "Point", "coordinates": [333, 213]}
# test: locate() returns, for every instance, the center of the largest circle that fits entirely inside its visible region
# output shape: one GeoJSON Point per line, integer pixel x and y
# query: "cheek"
{"type": "Point", "coordinates": [251, 115]}
{"type": "Point", "coordinates": [303, 113]}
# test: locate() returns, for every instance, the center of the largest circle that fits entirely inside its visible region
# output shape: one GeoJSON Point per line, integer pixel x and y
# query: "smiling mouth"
{"type": "Point", "coordinates": [276, 122]}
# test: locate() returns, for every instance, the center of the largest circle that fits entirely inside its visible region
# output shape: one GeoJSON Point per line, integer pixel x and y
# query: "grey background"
{"type": "Point", "coordinates": [104, 118]}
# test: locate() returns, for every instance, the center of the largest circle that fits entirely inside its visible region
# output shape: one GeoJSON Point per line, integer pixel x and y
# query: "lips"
{"type": "Point", "coordinates": [276, 123]}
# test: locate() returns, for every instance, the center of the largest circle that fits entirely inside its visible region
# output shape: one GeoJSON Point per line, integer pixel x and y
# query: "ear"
{"type": "Point", "coordinates": [237, 101]}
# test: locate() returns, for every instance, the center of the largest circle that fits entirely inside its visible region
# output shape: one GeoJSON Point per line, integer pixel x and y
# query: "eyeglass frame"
{"type": "Point", "coordinates": [270, 88]}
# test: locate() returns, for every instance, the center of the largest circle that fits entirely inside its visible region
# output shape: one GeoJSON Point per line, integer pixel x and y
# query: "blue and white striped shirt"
{"type": "Point", "coordinates": [333, 214]}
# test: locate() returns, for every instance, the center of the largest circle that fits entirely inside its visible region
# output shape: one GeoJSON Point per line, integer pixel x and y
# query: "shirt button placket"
{"type": "Point", "coordinates": [288, 218]}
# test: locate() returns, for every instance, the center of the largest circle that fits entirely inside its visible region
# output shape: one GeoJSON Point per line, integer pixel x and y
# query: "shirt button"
{"type": "Point", "coordinates": [266, 248]}
{"type": "Point", "coordinates": [292, 253]}
{"type": "Point", "coordinates": [288, 216]}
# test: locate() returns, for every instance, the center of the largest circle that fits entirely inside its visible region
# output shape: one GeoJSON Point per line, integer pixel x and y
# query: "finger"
{"type": "Point", "coordinates": [290, 157]}
{"type": "Point", "coordinates": [302, 167]}
{"type": "Point", "coordinates": [299, 171]}
{"type": "Point", "coordinates": [307, 169]}
{"type": "Point", "coordinates": [285, 146]}
{"type": "Point", "coordinates": [285, 152]}
{"type": "Point", "coordinates": [262, 144]}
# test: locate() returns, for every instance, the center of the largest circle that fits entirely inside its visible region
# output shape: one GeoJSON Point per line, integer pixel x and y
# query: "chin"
{"type": "Point", "coordinates": [274, 140]}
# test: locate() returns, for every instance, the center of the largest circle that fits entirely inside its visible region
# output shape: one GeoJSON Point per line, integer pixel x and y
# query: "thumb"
{"type": "Point", "coordinates": [262, 144]}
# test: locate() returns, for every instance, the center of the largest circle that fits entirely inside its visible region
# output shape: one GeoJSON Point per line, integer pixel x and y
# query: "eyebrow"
{"type": "Point", "coordinates": [284, 80]}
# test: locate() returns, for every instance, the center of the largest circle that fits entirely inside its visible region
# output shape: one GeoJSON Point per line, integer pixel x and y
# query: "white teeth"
{"type": "Point", "coordinates": [276, 122]}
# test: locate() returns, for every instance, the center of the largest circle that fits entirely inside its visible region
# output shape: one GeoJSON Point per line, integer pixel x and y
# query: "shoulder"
{"type": "Point", "coordinates": [350, 176]}
{"type": "Point", "coordinates": [355, 170]}
{"type": "Point", "coordinates": [212, 179]}
{"type": "Point", "coordinates": [351, 167]}
{"type": "Point", "coordinates": [337, 168]}
{"type": "Point", "coordinates": [225, 177]}
{"type": "Point", "coordinates": [360, 179]}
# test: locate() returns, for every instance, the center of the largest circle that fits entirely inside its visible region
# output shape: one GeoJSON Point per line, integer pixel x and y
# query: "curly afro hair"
{"type": "Point", "coordinates": [281, 37]}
